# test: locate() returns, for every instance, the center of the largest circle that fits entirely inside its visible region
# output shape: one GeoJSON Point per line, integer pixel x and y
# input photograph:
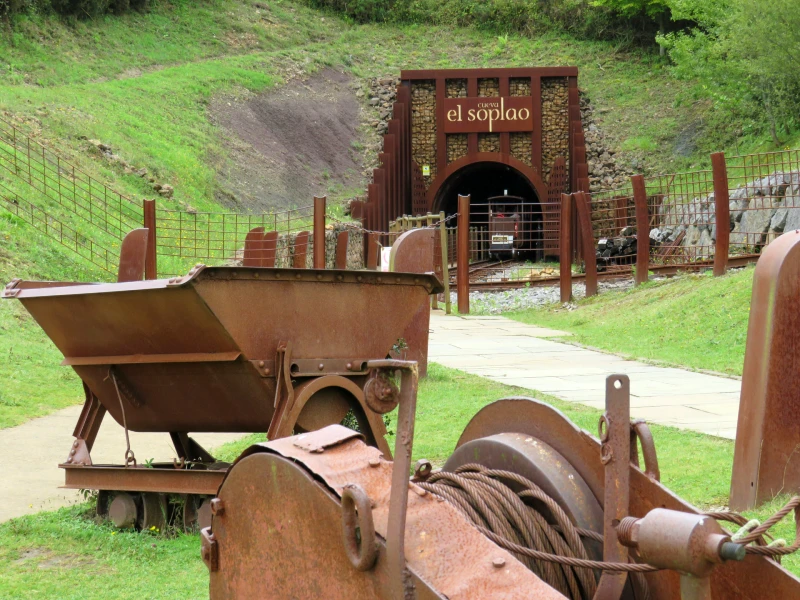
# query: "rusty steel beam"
{"type": "Point", "coordinates": [140, 479]}
{"type": "Point", "coordinates": [300, 250]}
{"type": "Point", "coordinates": [565, 248]}
{"type": "Point", "coordinates": [583, 204]}
{"type": "Point", "coordinates": [151, 261]}
{"type": "Point", "coordinates": [642, 229]}
{"type": "Point", "coordinates": [133, 256]}
{"type": "Point", "coordinates": [462, 254]}
{"type": "Point", "coordinates": [319, 231]}
{"type": "Point", "coordinates": [341, 249]}
{"type": "Point", "coordinates": [721, 212]}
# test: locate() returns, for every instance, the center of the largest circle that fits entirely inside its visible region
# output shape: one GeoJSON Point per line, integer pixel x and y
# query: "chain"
{"type": "Point", "coordinates": [129, 456]}
{"type": "Point", "coordinates": [352, 225]}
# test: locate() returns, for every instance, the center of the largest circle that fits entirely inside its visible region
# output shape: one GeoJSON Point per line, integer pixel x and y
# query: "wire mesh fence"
{"type": "Point", "coordinates": [57, 230]}
{"type": "Point", "coordinates": [764, 193]}
{"type": "Point", "coordinates": [682, 217]}
{"type": "Point", "coordinates": [184, 238]}
{"type": "Point", "coordinates": [613, 217]}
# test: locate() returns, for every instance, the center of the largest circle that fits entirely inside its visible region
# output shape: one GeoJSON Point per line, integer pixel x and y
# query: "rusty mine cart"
{"type": "Point", "coordinates": [222, 349]}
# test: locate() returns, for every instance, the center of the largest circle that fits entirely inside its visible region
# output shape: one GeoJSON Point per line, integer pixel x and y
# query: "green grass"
{"type": "Point", "coordinates": [31, 381]}
{"type": "Point", "coordinates": [66, 554]}
{"type": "Point", "coordinates": [695, 321]}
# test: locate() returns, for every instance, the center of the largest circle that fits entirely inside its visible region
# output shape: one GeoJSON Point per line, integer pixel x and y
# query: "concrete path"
{"type": "Point", "coordinates": [29, 473]}
{"type": "Point", "coordinates": [514, 353]}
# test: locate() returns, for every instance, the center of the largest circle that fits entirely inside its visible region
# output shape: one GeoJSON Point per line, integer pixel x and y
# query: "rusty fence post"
{"type": "Point", "coordinates": [722, 213]}
{"type": "Point", "coordinates": [462, 255]}
{"type": "Point", "coordinates": [319, 232]}
{"type": "Point", "coordinates": [584, 207]}
{"type": "Point", "coordinates": [150, 263]}
{"type": "Point", "coordinates": [445, 266]}
{"type": "Point", "coordinates": [564, 249]}
{"type": "Point", "coordinates": [642, 229]}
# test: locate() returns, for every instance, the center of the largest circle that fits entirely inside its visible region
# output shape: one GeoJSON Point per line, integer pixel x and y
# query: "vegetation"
{"type": "Point", "coordinates": [66, 554]}
{"type": "Point", "coordinates": [695, 321]}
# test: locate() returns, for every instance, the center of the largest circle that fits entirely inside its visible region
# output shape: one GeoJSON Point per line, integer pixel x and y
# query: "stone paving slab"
{"type": "Point", "coordinates": [516, 354]}
{"type": "Point", "coordinates": [31, 453]}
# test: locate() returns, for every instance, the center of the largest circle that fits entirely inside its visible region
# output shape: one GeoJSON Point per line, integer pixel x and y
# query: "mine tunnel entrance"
{"type": "Point", "coordinates": [505, 210]}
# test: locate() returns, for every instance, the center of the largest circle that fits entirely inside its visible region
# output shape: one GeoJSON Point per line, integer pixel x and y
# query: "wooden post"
{"type": "Point", "coordinates": [583, 205]}
{"type": "Point", "coordinates": [722, 213]}
{"type": "Point", "coordinates": [319, 232]}
{"type": "Point", "coordinates": [372, 251]}
{"type": "Point", "coordinates": [642, 229]}
{"type": "Point", "coordinates": [150, 261]}
{"type": "Point", "coordinates": [462, 253]}
{"type": "Point", "coordinates": [564, 249]}
{"type": "Point", "coordinates": [445, 266]}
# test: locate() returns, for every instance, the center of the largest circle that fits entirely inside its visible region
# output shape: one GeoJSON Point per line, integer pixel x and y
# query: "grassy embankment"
{"type": "Point", "coordinates": [695, 321]}
{"type": "Point", "coordinates": [65, 554]}
{"type": "Point", "coordinates": [143, 82]}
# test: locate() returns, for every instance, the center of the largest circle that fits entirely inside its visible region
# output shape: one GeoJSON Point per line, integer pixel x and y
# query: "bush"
{"type": "Point", "coordinates": [81, 9]}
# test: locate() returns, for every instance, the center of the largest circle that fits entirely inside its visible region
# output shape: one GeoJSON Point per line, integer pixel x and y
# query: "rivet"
{"type": "Point", "coordinates": [277, 275]}
{"type": "Point", "coordinates": [359, 278]}
{"type": "Point", "coordinates": [172, 280]}
{"type": "Point", "coordinates": [397, 280]}
{"type": "Point", "coordinates": [374, 462]}
{"type": "Point", "coordinates": [416, 279]}
{"type": "Point", "coordinates": [379, 279]}
{"type": "Point", "coordinates": [266, 371]}
{"type": "Point", "coordinates": [75, 444]}
{"type": "Point", "coordinates": [499, 562]}
{"type": "Point", "coordinates": [339, 278]}
{"type": "Point", "coordinates": [321, 367]}
{"type": "Point", "coordinates": [69, 460]}
{"type": "Point", "coordinates": [319, 276]}
{"type": "Point", "coordinates": [198, 265]}
{"type": "Point", "coordinates": [261, 363]}
{"type": "Point", "coordinates": [298, 276]}
{"type": "Point", "coordinates": [255, 275]}
{"type": "Point", "coordinates": [233, 273]}
{"type": "Point", "coordinates": [349, 366]}
{"type": "Point", "coordinates": [72, 452]}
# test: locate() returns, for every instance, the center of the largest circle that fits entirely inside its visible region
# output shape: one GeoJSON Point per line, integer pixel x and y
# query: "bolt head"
{"type": "Point", "coordinates": [499, 562]}
{"type": "Point", "coordinates": [374, 462]}
{"type": "Point", "coordinates": [321, 367]}
{"type": "Point", "coordinates": [261, 363]}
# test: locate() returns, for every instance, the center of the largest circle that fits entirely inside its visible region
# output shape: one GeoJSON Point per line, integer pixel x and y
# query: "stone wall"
{"type": "Point", "coordinates": [488, 142]}
{"type": "Point", "coordinates": [607, 167]}
{"type": "Point", "coordinates": [423, 126]}
{"type": "Point", "coordinates": [519, 86]}
{"type": "Point", "coordinates": [284, 253]}
{"type": "Point", "coordinates": [555, 123]}
{"type": "Point", "coordinates": [489, 88]}
{"type": "Point", "coordinates": [457, 144]}
{"type": "Point", "coordinates": [520, 142]}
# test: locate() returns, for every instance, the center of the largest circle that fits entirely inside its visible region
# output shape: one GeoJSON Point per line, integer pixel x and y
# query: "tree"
{"type": "Point", "coordinates": [658, 10]}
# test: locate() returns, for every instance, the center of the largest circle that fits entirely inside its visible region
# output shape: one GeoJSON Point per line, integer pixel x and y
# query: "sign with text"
{"type": "Point", "coordinates": [470, 115]}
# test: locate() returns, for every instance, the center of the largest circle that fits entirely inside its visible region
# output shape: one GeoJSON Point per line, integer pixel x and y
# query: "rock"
{"type": "Point", "coordinates": [166, 190]}
{"type": "Point", "coordinates": [374, 101]}
{"type": "Point", "coordinates": [142, 172]}
{"type": "Point", "coordinates": [157, 187]}
{"type": "Point", "coordinates": [191, 209]}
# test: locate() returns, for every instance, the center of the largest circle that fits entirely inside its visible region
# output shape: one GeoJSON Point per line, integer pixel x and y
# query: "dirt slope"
{"type": "Point", "coordinates": [289, 143]}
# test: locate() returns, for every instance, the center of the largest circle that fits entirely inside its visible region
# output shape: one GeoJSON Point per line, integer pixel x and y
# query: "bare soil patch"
{"type": "Point", "coordinates": [290, 143]}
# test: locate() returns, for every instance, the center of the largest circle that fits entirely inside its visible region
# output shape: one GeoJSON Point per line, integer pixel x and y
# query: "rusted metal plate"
{"type": "Point", "coordinates": [412, 252]}
{"type": "Point", "coordinates": [765, 461]}
{"type": "Point", "coordinates": [133, 255]}
{"type": "Point", "coordinates": [745, 580]}
{"type": "Point", "coordinates": [447, 556]}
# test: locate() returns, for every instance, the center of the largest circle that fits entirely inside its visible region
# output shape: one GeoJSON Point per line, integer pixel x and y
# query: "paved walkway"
{"type": "Point", "coordinates": [29, 473]}
{"type": "Point", "coordinates": [514, 353]}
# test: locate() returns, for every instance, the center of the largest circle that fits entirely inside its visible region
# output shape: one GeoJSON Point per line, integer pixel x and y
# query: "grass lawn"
{"type": "Point", "coordinates": [65, 554]}
{"type": "Point", "coordinates": [695, 321]}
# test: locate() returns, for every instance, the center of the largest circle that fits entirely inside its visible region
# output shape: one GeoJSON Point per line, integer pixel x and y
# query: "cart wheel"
{"type": "Point", "coordinates": [122, 510]}
{"type": "Point", "coordinates": [190, 502]}
{"type": "Point", "coordinates": [101, 504]}
{"type": "Point", "coordinates": [154, 512]}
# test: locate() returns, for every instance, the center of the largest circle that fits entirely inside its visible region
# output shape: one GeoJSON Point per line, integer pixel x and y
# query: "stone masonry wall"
{"type": "Point", "coordinates": [555, 122]}
{"type": "Point", "coordinates": [456, 146]}
{"type": "Point", "coordinates": [423, 126]}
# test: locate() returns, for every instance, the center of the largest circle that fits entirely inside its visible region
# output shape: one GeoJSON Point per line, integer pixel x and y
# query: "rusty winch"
{"type": "Point", "coordinates": [527, 506]}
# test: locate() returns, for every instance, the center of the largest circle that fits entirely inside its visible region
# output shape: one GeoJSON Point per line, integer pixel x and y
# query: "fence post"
{"type": "Point", "coordinates": [642, 229]}
{"type": "Point", "coordinates": [150, 262]}
{"type": "Point", "coordinates": [445, 266]}
{"type": "Point", "coordinates": [722, 213]}
{"type": "Point", "coordinates": [583, 206]}
{"type": "Point", "coordinates": [372, 251]}
{"type": "Point", "coordinates": [319, 232]}
{"type": "Point", "coordinates": [462, 255]}
{"type": "Point", "coordinates": [564, 248]}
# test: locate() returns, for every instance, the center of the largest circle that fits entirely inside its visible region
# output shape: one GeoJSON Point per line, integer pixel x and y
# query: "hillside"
{"type": "Point", "coordinates": [204, 97]}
